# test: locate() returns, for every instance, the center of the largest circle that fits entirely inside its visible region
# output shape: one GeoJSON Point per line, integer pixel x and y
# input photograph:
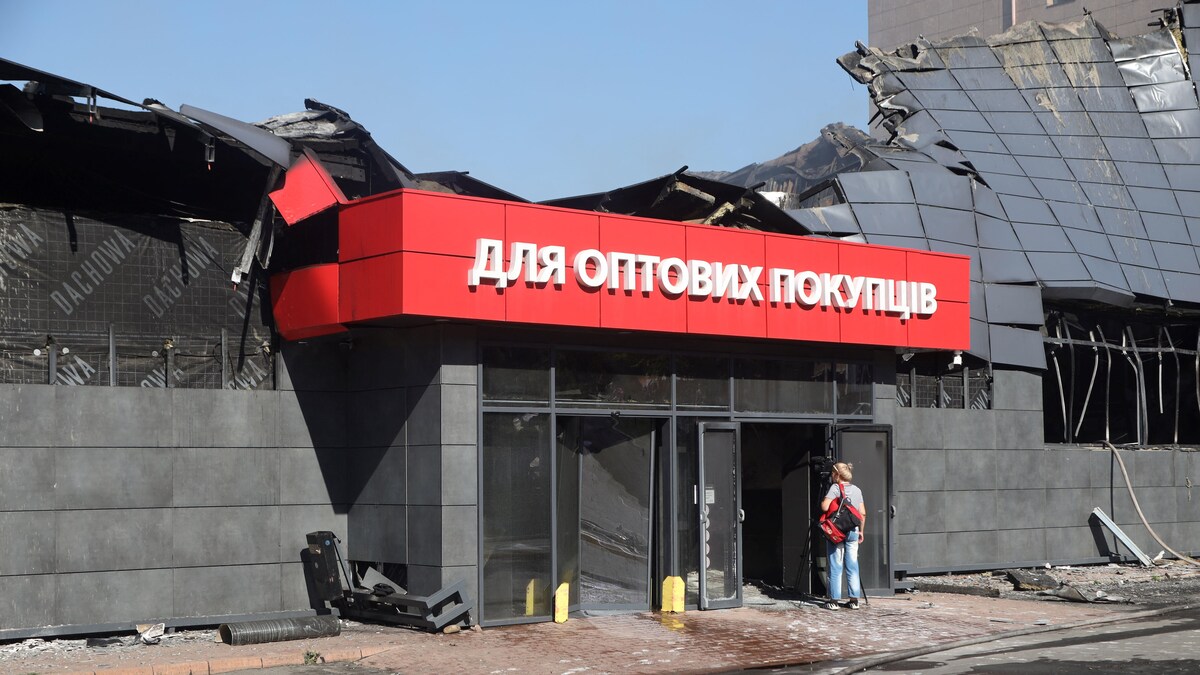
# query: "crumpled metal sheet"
{"type": "Point", "coordinates": [1082, 151]}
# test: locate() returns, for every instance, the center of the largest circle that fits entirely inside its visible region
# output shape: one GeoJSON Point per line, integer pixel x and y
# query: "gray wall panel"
{"type": "Point", "coordinates": [1068, 506]}
{"type": "Point", "coordinates": [225, 476]}
{"type": "Point", "coordinates": [311, 365]}
{"type": "Point", "coordinates": [226, 536]}
{"type": "Point", "coordinates": [1076, 467]}
{"type": "Point", "coordinates": [1018, 429]}
{"type": "Point", "coordinates": [1020, 469]}
{"type": "Point", "coordinates": [971, 510]}
{"type": "Point", "coordinates": [972, 547]}
{"type": "Point", "coordinates": [918, 428]}
{"type": "Point", "coordinates": [378, 475]}
{"type": "Point", "coordinates": [1021, 545]}
{"type": "Point", "coordinates": [111, 478]}
{"type": "Point", "coordinates": [294, 588]}
{"type": "Point", "coordinates": [113, 539]}
{"type": "Point", "coordinates": [377, 360]}
{"type": "Point", "coordinates": [27, 601]}
{"type": "Point", "coordinates": [297, 521]}
{"type": "Point", "coordinates": [919, 469]}
{"type": "Point", "coordinates": [380, 532]}
{"type": "Point", "coordinates": [313, 475]}
{"type": "Point", "coordinates": [29, 542]}
{"type": "Point", "coordinates": [23, 417]}
{"type": "Point", "coordinates": [425, 475]}
{"type": "Point", "coordinates": [425, 415]}
{"type": "Point", "coordinates": [1022, 509]}
{"type": "Point", "coordinates": [1068, 543]}
{"type": "Point", "coordinates": [376, 417]}
{"type": "Point", "coordinates": [87, 418]}
{"type": "Point", "coordinates": [1155, 468]}
{"type": "Point", "coordinates": [1017, 390]}
{"type": "Point", "coordinates": [967, 430]}
{"type": "Point", "coordinates": [110, 597]}
{"type": "Point", "coordinates": [970, 469]}
{"type": "Point", "coordinates": [460, 535]}
{"type": "Point", "coordinates": [459, 355]}
{"type": "Point", "coordinates": [239, 589]}
{"type": "Point", "coordinates": [26, 477]}
{"type": "Point", "coordinates": [459, 414]}
{"type": "Point", "coordinates": [923, 550]}
{"type": "Point", "coordinates": [205, 418]}
{"type": "Point", "coordinates": [422, 353]}
{"type": "Point", "coordinates": [429, 579]}
{"type": "Point", "coordinates": [312, 419]}
{"type": "Point", "coordinates": [920, 512]}
{"type": "Point", "coordinates": [425, 535]}
{"type": "Point", "coordinates": [1159, 505]}
{"type": "Point", "coordinates": [460, 471]}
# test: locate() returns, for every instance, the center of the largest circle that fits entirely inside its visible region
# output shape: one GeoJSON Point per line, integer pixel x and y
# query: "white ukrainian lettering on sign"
{"type": "Point", "coordinates": [674, 277]}
{"type": "Point", "coordinates": [588, 278]}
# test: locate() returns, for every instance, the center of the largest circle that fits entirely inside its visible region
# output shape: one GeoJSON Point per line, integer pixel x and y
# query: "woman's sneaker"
{"type": "Point", "coordinates": [832, 605]}
{"type": "Point", "coordinates": [855, 604]}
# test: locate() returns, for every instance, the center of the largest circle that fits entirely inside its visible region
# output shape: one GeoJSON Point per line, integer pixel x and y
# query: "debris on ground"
{"type": "Point", "coordinates": [933, 587]}
{"type": "Point", "coordinates": [1032, 581]}
{"type": "Point", "coordinates": [1168, 582]}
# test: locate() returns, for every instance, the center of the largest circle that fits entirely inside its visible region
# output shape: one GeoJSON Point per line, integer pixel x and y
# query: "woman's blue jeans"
{"type": "Point", "coordinates": [845, 555]}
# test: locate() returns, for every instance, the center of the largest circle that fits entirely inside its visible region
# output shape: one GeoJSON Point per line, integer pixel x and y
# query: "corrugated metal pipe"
{"type": "Point", "coordinates": [278, 630]}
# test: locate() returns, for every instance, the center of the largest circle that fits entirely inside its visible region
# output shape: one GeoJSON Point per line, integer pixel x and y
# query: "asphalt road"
{"type": "Point", "coordinates": [1153, 645]}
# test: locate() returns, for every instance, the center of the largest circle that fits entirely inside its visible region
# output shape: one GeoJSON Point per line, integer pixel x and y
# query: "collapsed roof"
{"type": "Point", "coordinates": [1064, 160]}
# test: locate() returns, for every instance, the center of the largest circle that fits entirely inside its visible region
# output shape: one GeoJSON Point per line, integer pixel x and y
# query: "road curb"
{"type": "Point", "coordinates": [236, 663]}
{"type": "Point", "coordinates": [892, 657]}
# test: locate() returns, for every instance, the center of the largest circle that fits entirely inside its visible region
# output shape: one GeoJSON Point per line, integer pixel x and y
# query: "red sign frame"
{"type": "Point", "coordinates": [408, 253]}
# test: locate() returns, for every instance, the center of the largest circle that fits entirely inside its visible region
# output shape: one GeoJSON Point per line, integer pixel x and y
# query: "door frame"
{"type": "Point", "coordinates": [889, 508]}
{"type": "Point", "coordinates": [736, 428]}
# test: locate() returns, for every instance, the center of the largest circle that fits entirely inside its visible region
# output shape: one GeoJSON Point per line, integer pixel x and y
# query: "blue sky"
{"type": "Point", "coordinates": [544, 99]}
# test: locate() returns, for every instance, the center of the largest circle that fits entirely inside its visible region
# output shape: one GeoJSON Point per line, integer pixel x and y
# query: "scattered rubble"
{"type": "Point", "coordinates": [1169, 581]}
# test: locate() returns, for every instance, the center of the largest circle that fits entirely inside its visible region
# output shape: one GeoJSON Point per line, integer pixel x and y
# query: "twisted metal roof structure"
{"type": "Point", "coordinates": [1064, 160]}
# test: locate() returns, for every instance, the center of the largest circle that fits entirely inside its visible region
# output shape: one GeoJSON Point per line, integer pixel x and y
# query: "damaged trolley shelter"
{"type": "Point", "coordinates": [610, 398]}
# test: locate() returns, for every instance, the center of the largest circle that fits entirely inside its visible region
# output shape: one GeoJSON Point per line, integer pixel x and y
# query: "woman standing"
{"type": "Point", "coordinates": [844, 555]}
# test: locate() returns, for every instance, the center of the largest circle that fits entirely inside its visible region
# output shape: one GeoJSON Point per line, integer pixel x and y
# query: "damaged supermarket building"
{"type": "Point", "coordinates": [217, 337]}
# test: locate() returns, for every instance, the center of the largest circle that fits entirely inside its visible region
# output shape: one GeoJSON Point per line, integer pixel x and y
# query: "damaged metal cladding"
{"type": "Point", "coordinates": [691, 198]}
{"type": "Point", "coordinates": [1077, 155]}
{"type": "Point", "coordinates": [162, 283]}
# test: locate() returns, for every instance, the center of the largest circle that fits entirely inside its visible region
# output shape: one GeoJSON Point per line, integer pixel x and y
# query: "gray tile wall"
{"type": "Point", "coordinates": [128, 504]}
{"type": "Point", "coordinates": [982, 488]}
{"type": "Point", "coordinates": [414, 483]}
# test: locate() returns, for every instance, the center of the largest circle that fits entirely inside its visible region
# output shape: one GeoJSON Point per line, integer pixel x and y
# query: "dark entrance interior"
{"type": "Point", "coordinates": [778, 497]}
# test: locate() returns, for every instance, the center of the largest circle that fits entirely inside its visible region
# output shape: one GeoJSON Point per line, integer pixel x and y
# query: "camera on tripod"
{"type": "Point", "coordinates": [822, 467]}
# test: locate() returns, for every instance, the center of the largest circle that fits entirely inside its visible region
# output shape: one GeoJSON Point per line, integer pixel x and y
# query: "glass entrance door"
{"type": "Point", "coordinates": [718, 497]}
{"type": "Point", "coordinates": [604, 504]}
{"type": "Point", "coordinates": [869, 448]}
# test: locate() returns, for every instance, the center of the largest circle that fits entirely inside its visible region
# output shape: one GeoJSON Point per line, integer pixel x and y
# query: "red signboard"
{"type": "Point", "coordinates": [426, 254]}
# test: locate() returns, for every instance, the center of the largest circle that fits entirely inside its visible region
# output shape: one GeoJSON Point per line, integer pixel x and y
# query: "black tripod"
{"type": "Point", "coordinates": [808, 556]}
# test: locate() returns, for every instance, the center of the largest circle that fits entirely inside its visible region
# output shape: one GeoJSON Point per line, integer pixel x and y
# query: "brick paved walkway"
{"type": "Point", "coordinates": [634, 643]}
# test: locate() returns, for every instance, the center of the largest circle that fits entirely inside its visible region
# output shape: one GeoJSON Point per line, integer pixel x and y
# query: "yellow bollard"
{"type": "Point", "coordinates": [672, 594]}
{"type": "Point", "coordinates": [562, 602]}
{"type": "Point", "coordinates": [529, 593]}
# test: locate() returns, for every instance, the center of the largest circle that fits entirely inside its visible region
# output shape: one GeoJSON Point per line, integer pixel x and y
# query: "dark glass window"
{"type": "Point", "coordinates": [612, 379]}
{"type": "Point", "coordinates": [516, 375]}
{"type": "Point", "coordinates": [702, 383]}
{"type": "Point", "coordinates": [853, 388]}
{"type": "Point", "coordinates": [688, 528]}
{"type": "Point", "coordinates": [567, 447]}
{"type": "Point", "coordinates": [798, 387]}
{"type": "Point", "coordinates": [612, 534]}
{"type": "Point", "coordinates": [516, 506]}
